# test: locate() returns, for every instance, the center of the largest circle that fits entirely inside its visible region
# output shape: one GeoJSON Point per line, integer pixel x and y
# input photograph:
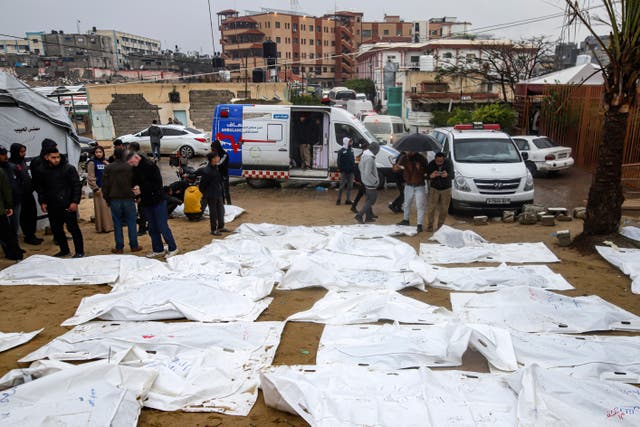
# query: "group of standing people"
{"type": "Point", "coordinates": [414, 172]}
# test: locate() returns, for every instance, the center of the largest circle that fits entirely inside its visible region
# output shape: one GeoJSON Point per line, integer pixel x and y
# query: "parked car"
{"type": "Point", "coordinates": [87, 145]}
{"type": "Point", "coordinates": [187, 141]}
{"type": "Point", "coordinates": [544, 155]}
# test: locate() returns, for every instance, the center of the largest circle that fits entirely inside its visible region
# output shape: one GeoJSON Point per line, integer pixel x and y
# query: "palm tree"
{"type": "Point", "coordinates": [604, 207]}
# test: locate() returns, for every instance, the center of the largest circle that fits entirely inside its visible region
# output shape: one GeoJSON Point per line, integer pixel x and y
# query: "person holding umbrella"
{"type": "Point", "coordinates": [414, 168]}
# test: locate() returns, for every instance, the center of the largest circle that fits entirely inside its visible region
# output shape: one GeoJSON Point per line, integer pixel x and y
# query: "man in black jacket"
{"type": "Point", "coordinates": [59, 194]}
{"type": "Point", "coordinates": [15, 181]}
{"type": "Point", "coordinates": [212, 191]}
{"type": "Point", "coordinates": [223, 168]}
{"type": "Point", "coordinates": [8, 238]}
{"type": "Point", "coordinates": [147, 182]}
{"type": "Point", "coordinates": [346, 166]}
{"type": "Point", "coordinates": [28, 212]}
{"type": "Point", "coordinates": [440, 173]}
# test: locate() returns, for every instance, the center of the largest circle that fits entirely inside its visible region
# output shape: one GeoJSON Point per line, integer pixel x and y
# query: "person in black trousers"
{"type": "Point", "coordinates": [28, 213]}
{"type": "Point", "coordinates": [8, 238]}
{"type": "Point", "coordinates": [59, 194]}
{"type": "Point", "coordinates": [211, 187]}
{"type": "Point", "coordinates": [223, 167]}
{"type": "Point", "coordinates": [398, 202]}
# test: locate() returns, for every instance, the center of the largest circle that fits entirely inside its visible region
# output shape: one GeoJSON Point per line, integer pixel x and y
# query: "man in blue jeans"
{"type": "Point", "coordinates": [117, 184]}
{"type": "Point", "coordinates": [147, 183]}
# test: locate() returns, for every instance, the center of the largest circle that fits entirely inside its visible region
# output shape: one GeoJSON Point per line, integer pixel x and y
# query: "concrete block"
{"type": "Point", "coordinates": [564, 218]}
{"type": "Point", "coordinates": [533, 208]}
{"type": "Point", "coordinates": [480, 220]}
{"type": "Point", "coordinates": [580, 213]}
{"type": "Point", "coordinates": [548, 220]}
{"type": "Point", "coordinates": [528, 218]}
{"type": "Point", "coordinates": [564, 237]}
{"type": "Point", "coordinates": [508, 216]}
{"type": "Point", "coordinates": [557, 211]}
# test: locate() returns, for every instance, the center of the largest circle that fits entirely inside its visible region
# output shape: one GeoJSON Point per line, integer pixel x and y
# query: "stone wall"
{"type": "Point", "coordinates": [131, 113]}
{"type": "Point", "coordinates": [203, 102]}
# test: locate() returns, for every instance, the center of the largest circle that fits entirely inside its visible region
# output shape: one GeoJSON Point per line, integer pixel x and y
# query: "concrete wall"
{"type": "Point", "coordinates": [131, 107]}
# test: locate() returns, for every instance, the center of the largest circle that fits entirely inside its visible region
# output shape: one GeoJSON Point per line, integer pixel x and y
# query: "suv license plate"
{"type": "Point", "coordinates": [498, 201]}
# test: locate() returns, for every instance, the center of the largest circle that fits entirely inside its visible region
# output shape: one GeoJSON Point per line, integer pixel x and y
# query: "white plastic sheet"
{"type": "Point", "coordinates": [344, 395]}
{"type": "Point", "coordinates": [94, 394]}
{"type": "Point", "coordinates": [361, 231]}
{"type": "Point", "coordinates": [451, 237]}
{"type": "Point", "coordinates": [627, 260]}
{"type": "Point", "coordinates": [406, 346]}
{"type": "Point", "coordinates": [631, 232]}
{"type": "Point", "coordinates": [10, 340]}
{"type": "Point", "coordinates": [202, 367]}
{"type": "Point", "coordinates": [547, 398]}
{"type": "Point", "coordinates": [600, 357]}
{"type": "Point", "coordinates": [481, 279]}
{"type": "Point", "coordinates": [171, 299]}
{"type": "Point", "coordinates": [529, 309]}
{"type": "Point", "coordinates": [518, 253]}
{"type": "Point", "coordinates": [231, 212]}
{"type": "Point", "coordinates": [346, 308]}
{"type": "Point", "coordinates": [36, 370]}
{"type": "Point", "coordinates": [95, 270]}
{"type": "Point", "coordinates": [229, 256]}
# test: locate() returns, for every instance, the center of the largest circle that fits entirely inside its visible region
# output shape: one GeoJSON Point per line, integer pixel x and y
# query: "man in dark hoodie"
{"type": "Point", "coordinates": [59, 194]}
{"type": "Point", "coordinates": [8, 238]}
{"type": "Point", "coordinates": [37, 164]}
{"type": "Point", "coordinates": [223, 167]}
{"type": "Point", "coordinates": [15, 182]}
{"type": "Point", "coordinates": [28, 212]}
{"type": "Point", "coordinates": [147, 182]}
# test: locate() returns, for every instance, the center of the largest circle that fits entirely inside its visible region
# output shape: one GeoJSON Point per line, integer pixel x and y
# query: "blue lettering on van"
{"type": "Point", "coordinates": [281, 116]}
{"type": "Point", "coordinates": [228, 130]}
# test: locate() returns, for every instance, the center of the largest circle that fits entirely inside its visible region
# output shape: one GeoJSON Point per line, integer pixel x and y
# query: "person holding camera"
{"type": "Point", "coordinates": [440, 173]}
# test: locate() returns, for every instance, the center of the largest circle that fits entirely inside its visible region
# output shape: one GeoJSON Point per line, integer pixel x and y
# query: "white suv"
{"type": "Point", "coordinates": [490, 173]}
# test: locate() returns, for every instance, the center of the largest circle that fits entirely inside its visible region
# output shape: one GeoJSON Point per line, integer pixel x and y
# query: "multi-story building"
{"type": "Point", "coordinates": [316, 49]}
{"type": "Point", "coordinates": [80, 50]}
{"type": "Point", "coordinates": [14, 46]}
{"type": "Point", "coordinates": [447, 27]}
{"type": "Point", "coordinates": [391, 29]}
{"type": "Point", "coordinates": [377, 61]}
{"type": "Point", "coordinates": [306, 46]}
{"type": "Point", "coordinates": [124, 45]}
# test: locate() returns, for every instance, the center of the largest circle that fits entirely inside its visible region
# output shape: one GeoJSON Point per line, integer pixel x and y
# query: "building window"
{"type": "Point", "coordinates": [399, 33]}
{"type": "Point", "coordinates": [278, 39]}
{"type": "Point", "coordinates": [277, 24]}
{"type": "Point", "coordinates": [471, 57]}
{"type": "Point", "coordinates": [415, 59]}
{"type": "Point", "coordinates": [279, 54]}
{"type": "Point", "coordinates": [311, 42]}
{"type": "Point", "coordinates": [303, 27]}
{"type": "Point", "coordinates": [385, 32]}
{"type": "Point", "coordinates": [295, 40]}
{"type": "Point", "coordinates": [304, 55]}
{"type": "Point", "coordinates": [326, 29]}
{"type": "Point", "coordinates": [324, 69]}
{"type": "Point", "coordinates": [333, 69]}
{"type": "Point", "coordinates": [295, 28]}
{"type": "Point", "coordinates": [311, 56]}
{"type": "Point", "coordinates": [318, 42]}
{"type": "Point", "coordinates": [447, 55]}
{"type": "Point", "coordinates": [333, 42]}
{"type": "Point", "coordinates": [287, 26]}
{"type": "Point", "coordinates": [296, 55]}
{"type": "Point", "coordinates": [311, 28]}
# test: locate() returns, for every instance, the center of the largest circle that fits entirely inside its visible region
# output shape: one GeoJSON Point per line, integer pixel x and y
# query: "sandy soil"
{"type": "Point", "coordinates": [26, 308]}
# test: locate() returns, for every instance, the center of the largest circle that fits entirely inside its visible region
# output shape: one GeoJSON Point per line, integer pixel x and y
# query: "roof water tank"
{"type": "Point", "coordinates": [427, 63]}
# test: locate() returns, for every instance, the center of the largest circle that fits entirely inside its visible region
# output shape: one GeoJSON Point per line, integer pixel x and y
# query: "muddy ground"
{"type": "Point", "coordinates": [26, 308]}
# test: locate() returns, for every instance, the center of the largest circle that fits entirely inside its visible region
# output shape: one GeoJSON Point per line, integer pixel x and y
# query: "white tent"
{"type": "Point", "coordinates": [27, 117]}
{"type": "Point", "coordinates": [584, 74]}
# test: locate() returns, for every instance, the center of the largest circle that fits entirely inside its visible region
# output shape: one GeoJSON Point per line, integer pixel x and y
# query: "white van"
{"type": "Point", "coordinates": [357, 106]}
{"type": "Point", "coordinates": [386, 129]}
{"type": "Point", "coordinates": [263, 141]}
{"type": "Point", "coordinates": [490, 171]}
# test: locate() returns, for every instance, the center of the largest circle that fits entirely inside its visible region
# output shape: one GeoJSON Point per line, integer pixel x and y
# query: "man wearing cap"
{"type": "Point", "coordinates": [370, 179]}
{"type": "Point", "coordinates": [441, 174]}
{"type": "Point", "coordinates": [346, 166]}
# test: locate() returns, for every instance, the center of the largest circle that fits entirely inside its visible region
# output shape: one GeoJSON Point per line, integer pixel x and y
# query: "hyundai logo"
{"type": "Point", "coordinates": [497, 185]}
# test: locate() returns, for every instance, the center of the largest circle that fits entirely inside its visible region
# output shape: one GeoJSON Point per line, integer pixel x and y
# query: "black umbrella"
{"type": "Point", "coordinates": [417, 142]}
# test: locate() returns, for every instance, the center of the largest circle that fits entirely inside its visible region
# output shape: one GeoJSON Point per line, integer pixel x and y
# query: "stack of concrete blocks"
{"type": "Point", "coordinates": [131, 113]}
{"type": "Point", "coordinates": [580, 213]}
{"type": "Point", "coordinates": [564, 237]}
{"type": "Point", "coordinates": [508, 216]}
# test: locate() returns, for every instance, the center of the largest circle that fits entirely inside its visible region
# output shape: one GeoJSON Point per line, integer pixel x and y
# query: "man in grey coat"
{"type": "Point", "coordinates": [369, 178]}
{"type": "Point", "coordinates": [155, 135]}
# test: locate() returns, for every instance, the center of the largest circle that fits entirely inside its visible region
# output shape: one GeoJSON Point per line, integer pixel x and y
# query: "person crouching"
{"type": "Point", "coordinates": [212, 189]}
